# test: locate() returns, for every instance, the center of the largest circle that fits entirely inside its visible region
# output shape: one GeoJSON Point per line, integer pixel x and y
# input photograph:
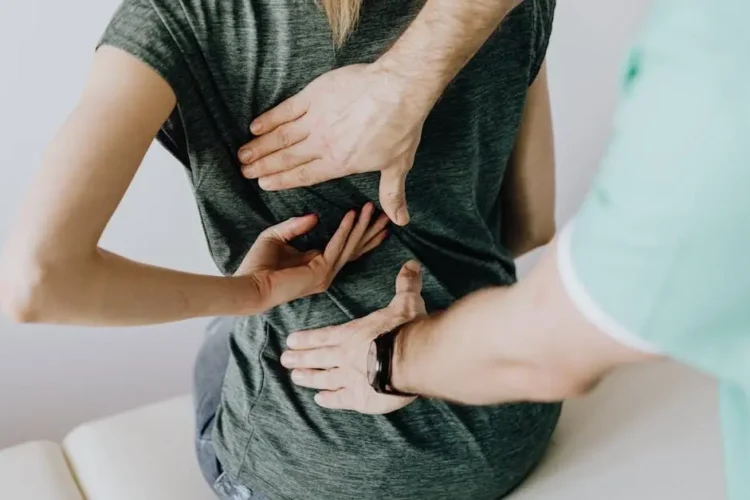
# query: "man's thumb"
{"type": "Point", "coordinates": [393, 194]}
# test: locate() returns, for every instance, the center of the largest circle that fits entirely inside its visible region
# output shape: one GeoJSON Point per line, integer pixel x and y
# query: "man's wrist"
{"type": "Point", "coordinates": [407, 88]}
{"type": "Point", "coordinates": [441, 40]}
{"type": "Point", "coordinates": [401, 374]}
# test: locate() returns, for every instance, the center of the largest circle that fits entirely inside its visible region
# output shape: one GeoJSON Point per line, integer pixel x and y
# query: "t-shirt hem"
{"type": "Point", "coordinates": [135, 50]}
{"type": "Point", "coordinates": [587, 305]}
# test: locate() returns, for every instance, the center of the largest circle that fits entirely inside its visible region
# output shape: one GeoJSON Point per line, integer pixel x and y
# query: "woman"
{"type": "Point", "coordinates": [194, 73]}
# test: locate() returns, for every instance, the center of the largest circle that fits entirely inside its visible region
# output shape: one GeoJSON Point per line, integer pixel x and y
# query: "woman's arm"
{"type": "Point", "coordinates": [527, 198]}
{"type": "Point", "coordinates": [53, 271]}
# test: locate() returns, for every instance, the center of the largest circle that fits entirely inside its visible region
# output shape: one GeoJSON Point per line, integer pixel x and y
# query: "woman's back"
{"type": "Point", "coordinates": [228, 62]}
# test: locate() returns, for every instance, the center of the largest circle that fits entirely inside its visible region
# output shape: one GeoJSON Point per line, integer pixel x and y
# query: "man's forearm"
{"type": "Point", "coordinates": [442, 39]}
{"type": "Point", "coordinates": [527, 342]}
{"type": "Point", "coordinates": [457, 355]}
{"type": "Point", "coordinates": [111, 290]}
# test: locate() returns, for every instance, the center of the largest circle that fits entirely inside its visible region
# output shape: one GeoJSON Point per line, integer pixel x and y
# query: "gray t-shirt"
{"type": "Point", "coordinates": [227, 62]}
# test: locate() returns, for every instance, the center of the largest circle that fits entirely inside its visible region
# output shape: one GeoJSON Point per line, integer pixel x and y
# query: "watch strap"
{"type": "Point", "coordinates": [384, 347]}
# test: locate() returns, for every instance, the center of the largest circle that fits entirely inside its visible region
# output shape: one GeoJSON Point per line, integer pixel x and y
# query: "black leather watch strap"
{"type": "Point", "coordinates": [384, 346]}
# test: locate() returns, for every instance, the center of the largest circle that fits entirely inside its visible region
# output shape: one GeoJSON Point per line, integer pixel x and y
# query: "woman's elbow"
{"type": "Point", "coordinates": [22, 288]}
{"type": "Point", "coordinates": [542, 234]}
{"type": "Point", "coordinates": [532, 238]}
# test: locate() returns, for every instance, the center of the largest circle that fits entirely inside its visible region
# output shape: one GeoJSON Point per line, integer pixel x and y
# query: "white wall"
{"type": "Point", "coordinates": [54, 378]}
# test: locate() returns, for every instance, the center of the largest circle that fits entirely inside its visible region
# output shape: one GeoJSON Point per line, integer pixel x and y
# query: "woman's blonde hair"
{"type": "Point", "coordinates": [342, 16]}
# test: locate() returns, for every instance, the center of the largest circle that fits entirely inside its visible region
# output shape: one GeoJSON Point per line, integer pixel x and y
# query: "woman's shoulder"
{"type": "Point", "coordinates": [168, 32]}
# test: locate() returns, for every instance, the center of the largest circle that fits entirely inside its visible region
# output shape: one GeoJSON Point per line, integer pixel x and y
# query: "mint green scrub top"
{"type": "Point", "coordinates": [658, 257]}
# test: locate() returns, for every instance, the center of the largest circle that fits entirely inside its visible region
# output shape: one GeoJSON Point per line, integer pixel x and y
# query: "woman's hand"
{"type": "Point", "coordinates": [333, 360]}
{"type": "Point", "coordinates": [282, 274]}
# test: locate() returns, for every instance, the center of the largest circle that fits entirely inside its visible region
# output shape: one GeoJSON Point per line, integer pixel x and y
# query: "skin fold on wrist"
{"type": "Point", "coordinates": [415, 91]}
{"type": "Point", "coordinates": [401, 376]}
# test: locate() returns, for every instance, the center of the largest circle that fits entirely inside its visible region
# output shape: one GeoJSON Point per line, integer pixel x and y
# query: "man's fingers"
{"type": "Point", "coordinates": [315, 359]}
{"type": "Point", "coordinates": [291, 228]}
{"type": "Point", "coordinates": [287, 111]}
{"type": "Point", "coordinates": [335, 400]}
{"type": "Point", "coordinates": [309, 174]}
{"type": "Point", "coordinates": [284, 159]}
{"type": "Point", "coordinates": [331, 336]}
{"type": "Point", "coordinates": [393, 194]}
{"type": "Point", "coordinates": [327, 380]}
{"type": "Point", "coordinates": [283, 137]}
{"type": "Point", "coordinates": [313, 339]}
{"type": "Point", "coordinates": [409, 279]}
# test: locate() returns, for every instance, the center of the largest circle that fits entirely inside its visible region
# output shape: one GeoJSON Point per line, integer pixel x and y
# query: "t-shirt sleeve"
{"type": "Point", "coordinates": [544, 15]}
{"type": "Point", "coordinates": [138, 27]}
{"type": "Point", "coordinates": [659, 255]}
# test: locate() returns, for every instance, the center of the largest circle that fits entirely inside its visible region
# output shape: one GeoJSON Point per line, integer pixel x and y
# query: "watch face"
{"type": "Point", "coordinates": [372, 363]}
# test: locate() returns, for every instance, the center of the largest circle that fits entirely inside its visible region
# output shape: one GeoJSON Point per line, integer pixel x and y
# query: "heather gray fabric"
{"type": "Point", "coordinates": [230, 60]}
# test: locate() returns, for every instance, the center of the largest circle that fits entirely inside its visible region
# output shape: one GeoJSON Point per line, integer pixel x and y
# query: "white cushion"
{"type": "Point", "coordinates": [145, 454]}
{"type": "Point", "coordinates": [36, 471]}
{"type": "Point", "coordinates": [647, 433]}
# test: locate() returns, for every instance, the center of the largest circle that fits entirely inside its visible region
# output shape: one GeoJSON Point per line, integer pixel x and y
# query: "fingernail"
{"type": "Point", "coordinates": [249, 172]}
{"type": "Point", "coordinates": [287, 359]}
{"type": "Point", "coordinates": [246, 155]}
{"type": "Point", "coordinates": [402, 216]}
{"type": "Point", "coordinates": [256, 128]}
{"type": "Point", "coordinates": [298, 376]}
{"type": "Point", "coordinates": [414, 266]}
{"type": "Point", "coordinates": [292, 339]}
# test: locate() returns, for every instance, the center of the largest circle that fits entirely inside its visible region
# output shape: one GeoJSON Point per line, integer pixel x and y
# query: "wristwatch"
{"type": "Point", "coordinates": [380, 364]}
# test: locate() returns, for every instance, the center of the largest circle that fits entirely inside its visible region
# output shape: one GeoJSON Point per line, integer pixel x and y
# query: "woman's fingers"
{"type": "Point", "coordinates": [370, 245]}
{"type": "Point", "coordinates": [290, 228]}
{"type": "Point", "coordinates": [297, 259]}
{"type": "Point", "coordinates": [338, 241]}
{"type": "Point", "coordinates": [359, 236]}
{"type": "Point", "coordinates": [355, 237]}
{"type": "Point", "coordinates": [373, 237]}
{"type": "Point", "coordinates": [379, 225]}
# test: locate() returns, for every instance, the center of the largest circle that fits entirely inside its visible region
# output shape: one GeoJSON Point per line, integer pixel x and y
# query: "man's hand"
{"type": "Point", "coordinates": [355, 119]}
{"type": "Point", "coordinates": [281, 273]}
{"type": "Point", "coordinates": [368, 118]}
{"type": "Point", "coordinates": [333, 360]}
